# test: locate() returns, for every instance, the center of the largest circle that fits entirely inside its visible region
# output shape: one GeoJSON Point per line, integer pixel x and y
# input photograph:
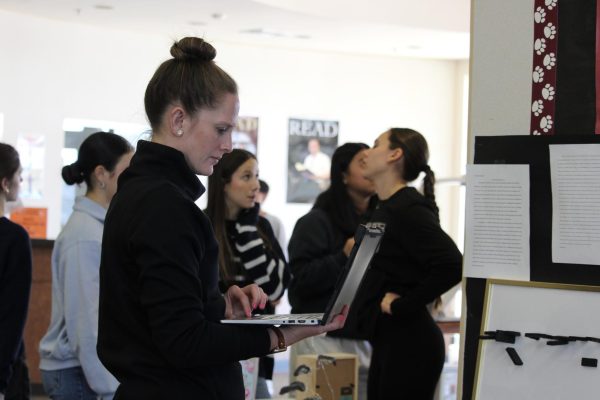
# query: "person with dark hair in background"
{"type": "Point", "coordinates": [15, 283]}
{"type": "Point", "coordinates": [69, 363]}
{"type": "Point", "coordinates": [416, 263]}
{"type": "Point", "coordinates": [319, 248]}
{"type": "Point", "coordinates": [160, 305]}
{"type": "Point", "coordinates": [248, 250]}
{"type": "Point", "coordinates": [276, 224]}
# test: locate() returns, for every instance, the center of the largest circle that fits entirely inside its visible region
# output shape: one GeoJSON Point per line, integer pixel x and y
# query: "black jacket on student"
{"type": "Point", "coordinates": [159, 298]}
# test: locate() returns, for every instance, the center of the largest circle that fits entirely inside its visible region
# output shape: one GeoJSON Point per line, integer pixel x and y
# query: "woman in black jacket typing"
{"type": "Point", "coordinates": [159, 330]}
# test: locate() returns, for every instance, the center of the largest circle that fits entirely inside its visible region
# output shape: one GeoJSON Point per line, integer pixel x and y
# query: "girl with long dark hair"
{"type": "Point", "coordinates": [248, 251]}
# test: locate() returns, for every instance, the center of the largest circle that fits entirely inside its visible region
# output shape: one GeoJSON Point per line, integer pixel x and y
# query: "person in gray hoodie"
{"type": "Point", "coordinates": [69, 363]}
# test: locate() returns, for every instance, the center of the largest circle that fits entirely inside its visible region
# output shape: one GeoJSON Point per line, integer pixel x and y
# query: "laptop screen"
{"type": "Point", "coordinates": [367, 243]}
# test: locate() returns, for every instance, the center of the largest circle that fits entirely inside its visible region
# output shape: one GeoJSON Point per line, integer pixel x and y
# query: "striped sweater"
{"type": "Point", "coordinates": [257, 262]}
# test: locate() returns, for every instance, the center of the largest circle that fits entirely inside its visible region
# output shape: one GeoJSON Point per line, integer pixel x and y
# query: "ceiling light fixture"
{"type": "Point", "coordinates": [273, 33]}
{"type": "Point", "coordinates": [218, 16]}
{"type": "Point", "coordinates": [197, 23]}
{"type": "Point", "coordinates": [104, 7]}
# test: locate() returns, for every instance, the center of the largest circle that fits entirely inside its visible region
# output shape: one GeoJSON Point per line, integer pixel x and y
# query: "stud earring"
{"type": "Point", "coordinates": [102, 185]}
{"type": "Point", "coordinates": [179, 132]}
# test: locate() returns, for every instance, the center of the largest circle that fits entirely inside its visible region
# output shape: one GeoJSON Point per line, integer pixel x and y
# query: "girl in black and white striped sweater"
{"type": "Point", "coordinates": [248, 249]}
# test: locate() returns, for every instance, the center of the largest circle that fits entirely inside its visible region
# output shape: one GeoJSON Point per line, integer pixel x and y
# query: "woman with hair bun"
{"type": "Point", "coordinates": [69, 363]}
{"type": "Point", "coordinates": [15, 283]}
{"type": "Point", "coordinates": [160, 305]}
{"type": "Point", "coordinates": [416, 262]}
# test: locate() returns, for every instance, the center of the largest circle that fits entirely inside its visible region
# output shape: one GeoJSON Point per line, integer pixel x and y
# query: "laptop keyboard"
{"type": "Point", "coordinates": [292, 316]}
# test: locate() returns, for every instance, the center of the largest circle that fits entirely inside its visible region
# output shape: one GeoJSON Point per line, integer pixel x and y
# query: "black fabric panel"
{"type": "Point", "coordinates": [576, 62]}
{"type": "Point", "coordinates": [532, 150]}
{"type": "Point", "coordinates": [474, 292]}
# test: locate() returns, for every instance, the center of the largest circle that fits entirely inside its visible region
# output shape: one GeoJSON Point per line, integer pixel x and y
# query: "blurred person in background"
{"type": "Point", "coordinates": [69, 364]}
{"type": "Point", "coordinates": [15, 283]}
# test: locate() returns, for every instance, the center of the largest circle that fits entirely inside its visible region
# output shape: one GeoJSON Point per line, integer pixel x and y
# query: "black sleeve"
{"type": "Point", "coordinates": [172, 293]}
{"type": "Point", "coordinates": [15, 287]}
{"type": "Point", "coordinates": [315, 259]}
{"type": "Point", "coordinates": [434, 250]}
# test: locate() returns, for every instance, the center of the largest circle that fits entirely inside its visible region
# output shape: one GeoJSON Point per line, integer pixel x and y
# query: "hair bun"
{"type": "Point", "coordinates": [193, 48]}
{"type": "Point", "coordinates": [71, 174]}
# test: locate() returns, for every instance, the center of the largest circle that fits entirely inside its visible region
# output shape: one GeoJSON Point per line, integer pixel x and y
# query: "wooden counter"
{"type": "Point", "coordinates": [40, 304]}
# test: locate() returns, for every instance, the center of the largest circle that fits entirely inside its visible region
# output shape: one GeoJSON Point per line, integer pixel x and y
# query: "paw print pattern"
{"type": "Point", "coordinates": [538, 74]}
{"type": "Point", "coordinates": [548, 92]}
{"type": "Point", "coordinates": [545, 61]}
{"type": "Point", "coordinates": [546, 123]}
{"type": "Point", "coordinates": [537, 107]}
{"type": "Point", "coordinates": [550, 31]}
{"type": "Point", "coordinates": [540, 15]}
{"type": "Point", "coordinates": [550, 60]}
{"type": "Point", "coordinates": [539, 46]}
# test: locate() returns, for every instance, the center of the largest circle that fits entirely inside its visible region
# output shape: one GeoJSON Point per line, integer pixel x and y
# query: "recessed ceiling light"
{"type": "Point", "coordinates": [103, 7]}
{"type": "Point", "coordinates": [218, 16]}
{"type": "Point", "coordinates": [414, 47]}
{"type": "Point", "coordinates": [197, 23]}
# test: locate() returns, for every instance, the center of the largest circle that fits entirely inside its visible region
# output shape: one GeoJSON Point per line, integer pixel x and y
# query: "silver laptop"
{"type": "Point", "coordinates": [367, 243]}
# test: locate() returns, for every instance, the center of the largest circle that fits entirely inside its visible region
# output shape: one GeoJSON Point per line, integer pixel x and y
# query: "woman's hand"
{"type": "Point", "coordinates": [386, 303]}
{"type": "Point", "coordinates": [348, 246]}
{"type": "Point", "coordinates": [239, 302]}
{"type": "Point", "coordinates": [295, 333]}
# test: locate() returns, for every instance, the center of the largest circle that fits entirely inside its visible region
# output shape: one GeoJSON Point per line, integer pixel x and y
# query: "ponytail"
{"type": "Point", "coordinates": [428, 185]}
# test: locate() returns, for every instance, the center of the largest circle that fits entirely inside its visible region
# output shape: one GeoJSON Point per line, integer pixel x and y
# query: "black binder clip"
{"type": "Point", "coordinates": [589, 362]}
{"type": "Point", "coordinates": [302, 369]}
{"type": "Point", "coordinates": [292, 387]}
{"type": "Point", "coordinates": [537, 336]}
{"type": "Point", "coordinates": [500, 336]}
{"type": "Point", "coordinates": [558, 341]}
{"type": "Point", "coordinates": [514, 356]}
{"type": "Point", "coordinates": [322, 360]}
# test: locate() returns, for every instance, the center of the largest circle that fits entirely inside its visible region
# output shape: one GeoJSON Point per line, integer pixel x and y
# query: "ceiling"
{"type": "Point", "coordinates": [408, 28]}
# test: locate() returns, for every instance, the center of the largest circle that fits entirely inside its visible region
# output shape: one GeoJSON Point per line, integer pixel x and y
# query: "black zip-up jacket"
{"type": "Point", "coordinates": [416, 259]}
{"type": "Point", "coordinates": [159, 332]}
{"type": "Point", "coordinates": [15, 286]}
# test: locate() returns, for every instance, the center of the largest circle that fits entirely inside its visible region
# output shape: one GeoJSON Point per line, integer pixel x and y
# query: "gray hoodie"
{"type": "Point", "coordinates": [73, 332]}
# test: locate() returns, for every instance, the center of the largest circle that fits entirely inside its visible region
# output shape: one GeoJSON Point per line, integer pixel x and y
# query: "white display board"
{"type": "Point", "coordinates": [548, 372]}
{"type": "Point", "coordinates": [501, 67]}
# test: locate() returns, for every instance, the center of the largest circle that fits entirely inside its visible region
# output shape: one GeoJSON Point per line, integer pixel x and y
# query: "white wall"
{"type": "Point", "coordinates": [51, 70]}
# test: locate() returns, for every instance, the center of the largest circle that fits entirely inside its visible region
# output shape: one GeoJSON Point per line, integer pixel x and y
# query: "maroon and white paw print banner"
{"type": "Point", "coordinates": [545, 50]}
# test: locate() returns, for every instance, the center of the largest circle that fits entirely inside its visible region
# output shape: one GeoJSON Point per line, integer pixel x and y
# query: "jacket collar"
{"type": "Point", "coordinates": [85, 205]}
{"type": "Point", "coordinates": [154, 159]}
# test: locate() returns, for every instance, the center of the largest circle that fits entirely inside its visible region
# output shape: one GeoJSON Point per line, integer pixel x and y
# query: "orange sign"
{"type": "Point", "coordinates": [34, 220]}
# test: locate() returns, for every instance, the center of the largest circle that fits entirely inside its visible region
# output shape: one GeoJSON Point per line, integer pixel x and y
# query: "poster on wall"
{"type": "Point", "coordinates": [311, 144]}
{"type": "Point", "coordinates": [245, 134]}
{"type": "Point", "coordinates": [32, 151]}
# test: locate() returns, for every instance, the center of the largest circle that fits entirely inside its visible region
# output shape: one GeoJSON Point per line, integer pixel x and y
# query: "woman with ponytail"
{"type": "Point", "coordinates": [69, 364]}
{"type": "Point", "coordinates": [416, 262]}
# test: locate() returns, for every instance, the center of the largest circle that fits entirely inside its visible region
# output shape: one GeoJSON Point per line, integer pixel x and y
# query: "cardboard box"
{"type": "Point", "coordinates": [332, 376]}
